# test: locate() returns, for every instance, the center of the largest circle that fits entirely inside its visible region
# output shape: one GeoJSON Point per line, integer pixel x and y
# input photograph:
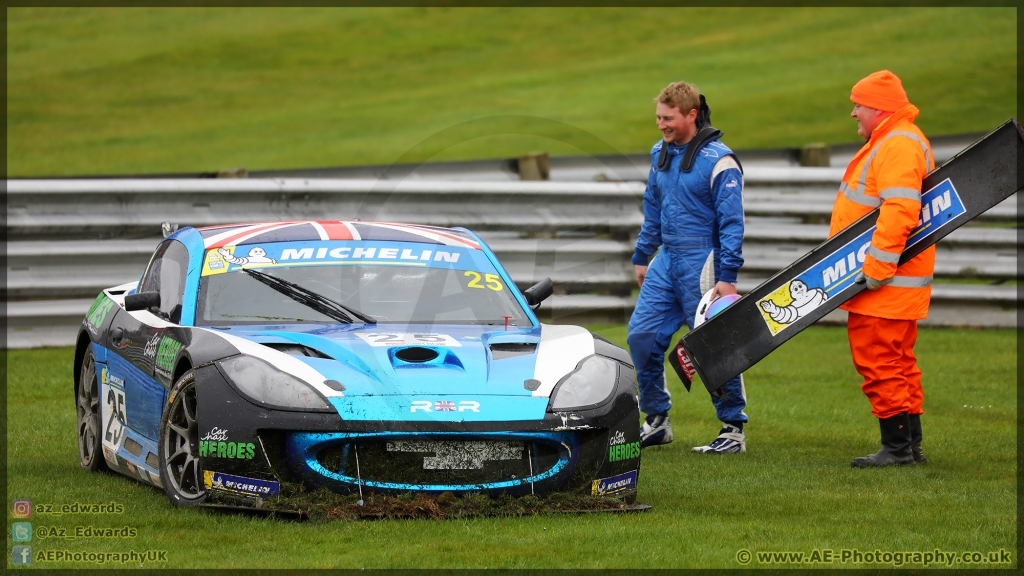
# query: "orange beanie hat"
{"type": "Point", "coordinates": [881, 91]}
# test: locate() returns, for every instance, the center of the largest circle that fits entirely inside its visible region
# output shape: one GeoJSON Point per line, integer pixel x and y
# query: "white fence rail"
{"type": "Point", "coordinates": [67, 239]}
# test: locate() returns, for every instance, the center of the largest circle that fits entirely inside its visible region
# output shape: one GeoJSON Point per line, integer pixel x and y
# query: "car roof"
{"type": "Point", "coordinates": [321, 230]}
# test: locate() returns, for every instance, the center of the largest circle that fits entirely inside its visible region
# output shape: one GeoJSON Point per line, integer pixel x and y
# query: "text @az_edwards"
{"type": "Point", "coordinates": [855, 556]}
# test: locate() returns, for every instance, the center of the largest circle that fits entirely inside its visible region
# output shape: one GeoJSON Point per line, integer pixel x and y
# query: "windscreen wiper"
{"type": "Point", "coordinates": [318, 302]}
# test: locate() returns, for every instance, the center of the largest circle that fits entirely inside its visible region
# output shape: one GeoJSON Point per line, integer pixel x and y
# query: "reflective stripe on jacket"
{"type": "Point", "coordinates": [887, 173]}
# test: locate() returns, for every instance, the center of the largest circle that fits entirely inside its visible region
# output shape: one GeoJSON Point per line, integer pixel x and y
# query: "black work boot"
{"type": "Point", "coordinates": [895, 444]}
{"type": "Point", "coordinates": [915, 439]}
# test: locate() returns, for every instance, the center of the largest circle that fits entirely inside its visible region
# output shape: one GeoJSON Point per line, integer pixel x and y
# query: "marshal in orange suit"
{"type": "Point", "coordinates": [887, 173]}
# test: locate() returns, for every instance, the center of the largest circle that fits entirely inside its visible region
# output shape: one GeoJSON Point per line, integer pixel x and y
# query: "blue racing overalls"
{"type": "Point", "coordinates": [692, 216]}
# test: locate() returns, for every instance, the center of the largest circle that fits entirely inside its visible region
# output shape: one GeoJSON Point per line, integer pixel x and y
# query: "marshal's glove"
{"type": "Point", "coordinates": [871, 282]}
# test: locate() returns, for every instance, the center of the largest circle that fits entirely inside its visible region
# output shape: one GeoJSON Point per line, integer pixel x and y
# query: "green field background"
{"type": "Point", "coordinates": [117, 91]}
{"type": "Point", "coordinates": [792, 491]}
{"type": "Point", "coordinates": [104, 91]}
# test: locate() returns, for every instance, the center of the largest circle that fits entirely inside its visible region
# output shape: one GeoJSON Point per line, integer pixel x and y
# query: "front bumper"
{"type": "Point", "coordinates": [582, 452]}
{"type": "Point", "coordinates": [496, 462]}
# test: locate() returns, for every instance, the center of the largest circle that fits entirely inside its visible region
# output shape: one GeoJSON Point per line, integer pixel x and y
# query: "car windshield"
{"type": "Point", "coordinates": [431, 285]}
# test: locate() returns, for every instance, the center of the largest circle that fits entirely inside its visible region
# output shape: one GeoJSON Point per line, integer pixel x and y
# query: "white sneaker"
{"type": "Point", "coordinates": [656, 430]}
{"type": "Point", "coordinates": [730, 439]}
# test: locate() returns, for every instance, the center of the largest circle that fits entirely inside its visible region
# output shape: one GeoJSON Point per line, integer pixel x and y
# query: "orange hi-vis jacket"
{"type": "Point", "coordinates": [887, 172]}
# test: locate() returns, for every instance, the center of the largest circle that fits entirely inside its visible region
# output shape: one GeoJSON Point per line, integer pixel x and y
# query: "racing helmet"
{"type": "Point", "coordinates": [708, 308]}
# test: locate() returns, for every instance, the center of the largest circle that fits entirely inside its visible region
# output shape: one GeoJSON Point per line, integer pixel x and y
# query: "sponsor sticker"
{"type": "Point", "coordinates": [215, 263]}
{"type": "Point", "coordinates": [621, 483]}
{"type": "Point", "coordinates": [837, 271]}
{"type": "Point", "coordinates": [111, 379]}
{"type": "Point", "coordinates": [685, 363]}
{"type": "Point", "coordinates": [626, 451]}
{"type": "Point", "coordinates": [216, 434]}
{"type": "Point", "coordinates": [619, 437]}
{"type": "Point", "coordinates": [166, 354]}
{"type": "Point", "coordinates": [240, 484]}
{"type": "Point", "coordinates": [97, 313]}
{"type": "Point", "coordinates": [221, 449]}
{"type": "Point", "coordinates": [311, 253]}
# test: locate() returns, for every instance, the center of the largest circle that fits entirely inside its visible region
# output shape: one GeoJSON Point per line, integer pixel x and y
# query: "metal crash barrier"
{"type": "Point", "coordinates": [68, 239]}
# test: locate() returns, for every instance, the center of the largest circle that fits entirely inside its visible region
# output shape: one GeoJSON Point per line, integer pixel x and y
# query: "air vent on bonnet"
{"type": "Point", "coordinates": [511, 350]}
{"type": "Point", "coordinates": [416, 354]}
{"type": "Point", "coordinates": [296, 349]}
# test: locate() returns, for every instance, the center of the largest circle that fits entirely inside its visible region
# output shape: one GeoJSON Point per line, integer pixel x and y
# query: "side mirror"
{"type": "Point", "coordinates": [538, 292]}
{"type": "Point", "coordinates": [141, 301]}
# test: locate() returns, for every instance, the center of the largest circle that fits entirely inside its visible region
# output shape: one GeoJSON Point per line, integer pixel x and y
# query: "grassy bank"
{"type": "Point", "coordinates": [100, 91]}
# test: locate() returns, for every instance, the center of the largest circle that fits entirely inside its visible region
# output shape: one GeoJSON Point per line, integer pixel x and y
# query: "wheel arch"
{"type": "Point", "coordinates": [81, 346]}
{"type": "Point", "coordinates": [184, 365]}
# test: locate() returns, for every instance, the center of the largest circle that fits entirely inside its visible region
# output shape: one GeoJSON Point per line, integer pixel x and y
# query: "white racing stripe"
{"type": "Point", "coordinates": [352, 230]}
{"type": "Point", "coordinates": [560, 349]}
{"type": "Point", "coordinates": [284, 362]}
{"type": "Point", "coordinates": [320, 230]}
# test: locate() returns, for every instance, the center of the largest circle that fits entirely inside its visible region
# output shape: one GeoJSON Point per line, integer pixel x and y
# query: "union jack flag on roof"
{"type": "Point", "coordinates": [312, 230]}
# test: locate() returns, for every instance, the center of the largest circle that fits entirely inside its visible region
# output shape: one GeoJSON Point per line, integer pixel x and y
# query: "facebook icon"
{"type": "Point", "coordinates": [21, 555]}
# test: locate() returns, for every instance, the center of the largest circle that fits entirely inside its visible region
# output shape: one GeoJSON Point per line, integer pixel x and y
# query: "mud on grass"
{"type": "Point", "coordinates": [322, 505]}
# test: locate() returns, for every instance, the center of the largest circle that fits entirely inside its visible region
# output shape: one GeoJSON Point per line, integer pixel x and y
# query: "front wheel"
{"type": "Point", "coordinates": [179, 443]}
{"type": "Point", "coordinates": [90, 431]}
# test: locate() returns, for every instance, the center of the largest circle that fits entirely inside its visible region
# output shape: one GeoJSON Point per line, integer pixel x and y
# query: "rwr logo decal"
{"type": "Point", "coordinates": [444, 406]}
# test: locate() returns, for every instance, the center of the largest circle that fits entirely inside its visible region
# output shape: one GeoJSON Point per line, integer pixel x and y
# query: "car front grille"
{"type": "Point", "coordinates": [435, 462]}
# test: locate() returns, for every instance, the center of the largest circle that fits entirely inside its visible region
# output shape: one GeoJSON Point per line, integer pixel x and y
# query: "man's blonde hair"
{"type": "Point", "coordinates": [682, 95]}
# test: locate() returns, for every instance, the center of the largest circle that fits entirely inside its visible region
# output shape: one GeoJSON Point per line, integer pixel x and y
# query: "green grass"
{"type": "Point", "coordinates": [100, 91]}
{"type": "Point", "coordinates": [793, 490]}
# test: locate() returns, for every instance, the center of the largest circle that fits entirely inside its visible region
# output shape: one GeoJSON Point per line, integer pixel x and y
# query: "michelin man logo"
{"type": "Point", "coordinates": [780, 314]}
{"type": "Point", "coordinates": [256, 255]}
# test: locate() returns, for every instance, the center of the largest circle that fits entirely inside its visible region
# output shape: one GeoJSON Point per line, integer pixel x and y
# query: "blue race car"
{"type": "Point", "coordinates": [357, 356]}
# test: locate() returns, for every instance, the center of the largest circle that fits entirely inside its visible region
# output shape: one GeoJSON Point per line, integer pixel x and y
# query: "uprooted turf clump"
{"type": "Point", "coordinates": [324, 505]}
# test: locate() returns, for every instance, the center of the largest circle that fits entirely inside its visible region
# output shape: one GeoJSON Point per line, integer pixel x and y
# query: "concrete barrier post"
{"type": "Point", "coordinates": [815, 154]}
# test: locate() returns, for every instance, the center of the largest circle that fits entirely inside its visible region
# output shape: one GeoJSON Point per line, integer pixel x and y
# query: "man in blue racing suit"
{"type": "Point", "coordinates": [693, 210]}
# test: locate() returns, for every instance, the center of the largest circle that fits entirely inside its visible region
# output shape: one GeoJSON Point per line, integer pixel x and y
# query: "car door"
{"type": "Point", "coordinates": [139, 370]}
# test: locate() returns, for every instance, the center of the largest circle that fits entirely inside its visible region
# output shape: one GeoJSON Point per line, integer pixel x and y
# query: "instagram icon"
{"type": "Point", "coordinates": [21, 508]}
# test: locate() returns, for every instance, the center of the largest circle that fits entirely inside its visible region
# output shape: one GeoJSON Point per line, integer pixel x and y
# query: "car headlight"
{"type": "Point", "coordinates": [590, 384]}
{"type": "Point", "coordinates": [267, 386]}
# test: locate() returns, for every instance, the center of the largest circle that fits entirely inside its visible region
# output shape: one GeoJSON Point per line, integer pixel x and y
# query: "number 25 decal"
{"type": "Point", "coordinates": [115, 425]}
{"type": "Point", "coordinates": [493, 281]}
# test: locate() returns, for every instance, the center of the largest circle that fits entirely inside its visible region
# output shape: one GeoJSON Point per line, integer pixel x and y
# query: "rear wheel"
{"type": "Point", "coordinates": [90, 432]}
{"type": "Point", "coordinates": [179, 443]}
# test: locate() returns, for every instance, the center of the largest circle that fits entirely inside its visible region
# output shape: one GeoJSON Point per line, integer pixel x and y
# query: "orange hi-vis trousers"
{"type": "Point", "coordinates": [883, 352]}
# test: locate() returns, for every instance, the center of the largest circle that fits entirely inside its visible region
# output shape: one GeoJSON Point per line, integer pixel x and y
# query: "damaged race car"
{"type": "Point", "coordinates": [356, 356]}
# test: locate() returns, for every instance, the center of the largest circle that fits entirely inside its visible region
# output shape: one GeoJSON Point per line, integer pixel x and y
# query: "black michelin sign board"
{"type": "Point", "coordinates": [976, 179]}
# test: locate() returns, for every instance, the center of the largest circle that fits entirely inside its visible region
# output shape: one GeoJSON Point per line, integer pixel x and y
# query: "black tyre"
{"type": "Point", "coordinates": [179, 445]}
{"type": "Point", "coordinates": [90, 431]}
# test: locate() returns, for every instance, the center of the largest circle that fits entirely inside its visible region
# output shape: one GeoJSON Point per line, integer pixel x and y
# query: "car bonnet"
{"type": "Point", "coordinates": [423, 372]}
